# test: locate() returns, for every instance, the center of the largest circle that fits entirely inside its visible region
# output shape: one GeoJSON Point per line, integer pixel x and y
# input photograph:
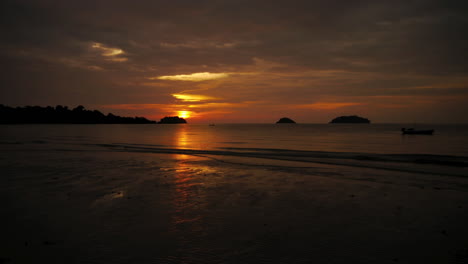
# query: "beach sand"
{"type": "Point", "coordinates": [119, 207]}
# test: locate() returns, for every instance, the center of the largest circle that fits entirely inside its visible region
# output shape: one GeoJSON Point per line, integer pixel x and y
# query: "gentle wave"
{"type": "Point", "coordinates": [417, 163]}
{"type": "Point", "coordinates": [445, 160]}
{"type": "Point", "coordinates": [445, 165]}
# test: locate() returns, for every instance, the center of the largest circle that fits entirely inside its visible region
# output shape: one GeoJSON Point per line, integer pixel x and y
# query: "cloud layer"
{"type": "Point", "coordinates": [246, 61]}
{"type": "Point", "coordinates": [193, 77]}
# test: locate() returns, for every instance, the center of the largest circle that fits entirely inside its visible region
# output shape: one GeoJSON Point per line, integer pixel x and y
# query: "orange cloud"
{"type": "Point", "coordinates": [329, 105]}
{"type": "Point", "coordinates": [193, 97]}
{"type": "Point", "coordinates": [219, 105]}
{"type": "Point", "coordinates": [135, 106]}
{"type": "Point", "coordinates": [193, 77]}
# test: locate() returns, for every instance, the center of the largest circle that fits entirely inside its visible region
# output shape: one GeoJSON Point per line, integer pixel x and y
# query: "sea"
{"type": "Point", "coordinates": [327, 138]}
{"type": "Point", "coordinates": [233, 193]}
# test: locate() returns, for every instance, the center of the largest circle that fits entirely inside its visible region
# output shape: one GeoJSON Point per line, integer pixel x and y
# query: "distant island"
{"type": "Point", "coordinates": [285, 120]}
{"type": "Point", "coordinates": [63, 115]}
{"type": "Point", "coordinates": [172, 120]}
{"type": "Point", "coordinates": [350, 119]}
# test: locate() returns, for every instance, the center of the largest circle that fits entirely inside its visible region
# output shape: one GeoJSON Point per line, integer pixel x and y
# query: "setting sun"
{"type": "Point", "coordinates": [184, 114]}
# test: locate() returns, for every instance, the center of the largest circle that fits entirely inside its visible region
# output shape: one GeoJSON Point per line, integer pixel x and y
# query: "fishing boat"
{"type": "Point", "coordinates": [412, 131]}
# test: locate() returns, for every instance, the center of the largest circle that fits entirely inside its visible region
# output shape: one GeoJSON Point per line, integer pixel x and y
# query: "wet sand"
{"type": "Point", "coordinates": [119, 207]}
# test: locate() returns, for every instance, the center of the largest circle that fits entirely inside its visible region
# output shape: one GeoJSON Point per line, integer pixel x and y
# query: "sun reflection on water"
{"type": "Point", "coordinates": [181, 138]}
{"type": "Point", "coordinates": [189, 196]}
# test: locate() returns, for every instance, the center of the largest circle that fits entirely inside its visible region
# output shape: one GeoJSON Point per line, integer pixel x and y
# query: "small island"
{"type": "Point", "coordinates": [285, 120]}
{"type": "Point", "coordinates": [172, 120]}
{"type": "Point", "coordinates": [63, 115]}
{"type": "Point", "coordinates": [354, 119]}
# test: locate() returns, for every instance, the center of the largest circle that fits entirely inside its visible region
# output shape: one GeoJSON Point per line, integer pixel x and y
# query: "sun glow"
{"type": "Point", "coordinates": [184, 114]}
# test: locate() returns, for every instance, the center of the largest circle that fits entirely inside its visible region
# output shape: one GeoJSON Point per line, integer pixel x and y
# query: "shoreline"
{"type": "Point", "coordinates": [146, 207]}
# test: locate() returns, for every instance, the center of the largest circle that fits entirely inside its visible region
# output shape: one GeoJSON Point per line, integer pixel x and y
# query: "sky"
{"type": "Point", "coordinates": [240, 61]}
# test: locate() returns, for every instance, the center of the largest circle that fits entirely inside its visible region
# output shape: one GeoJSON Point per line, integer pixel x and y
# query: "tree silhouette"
{"type": "Point", "coordinates": [62, 115]}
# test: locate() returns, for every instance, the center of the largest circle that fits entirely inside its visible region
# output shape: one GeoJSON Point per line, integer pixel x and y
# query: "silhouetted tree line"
{"type": "Point", "coordinates": [172, 120]}
{"type": "Point", "coordinates": [63, 115]}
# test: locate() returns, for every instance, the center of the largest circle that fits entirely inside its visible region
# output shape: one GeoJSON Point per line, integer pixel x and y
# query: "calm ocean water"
{"type": "Point", "coordinates": [375, 138]}
{"type": "Point", "coordinates": [233, 193]}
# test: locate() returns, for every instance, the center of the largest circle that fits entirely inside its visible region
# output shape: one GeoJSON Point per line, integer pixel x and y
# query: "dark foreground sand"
{"type": "Point", "coordinates": [73, 207]}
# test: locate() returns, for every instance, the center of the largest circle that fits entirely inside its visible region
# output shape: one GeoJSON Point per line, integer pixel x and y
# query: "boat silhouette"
{"type": "Point", "coordinates": [412, 131]}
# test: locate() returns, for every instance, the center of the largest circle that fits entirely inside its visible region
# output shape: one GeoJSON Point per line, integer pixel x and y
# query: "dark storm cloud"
{"type": "Point", "coordinates": [70, 50]}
